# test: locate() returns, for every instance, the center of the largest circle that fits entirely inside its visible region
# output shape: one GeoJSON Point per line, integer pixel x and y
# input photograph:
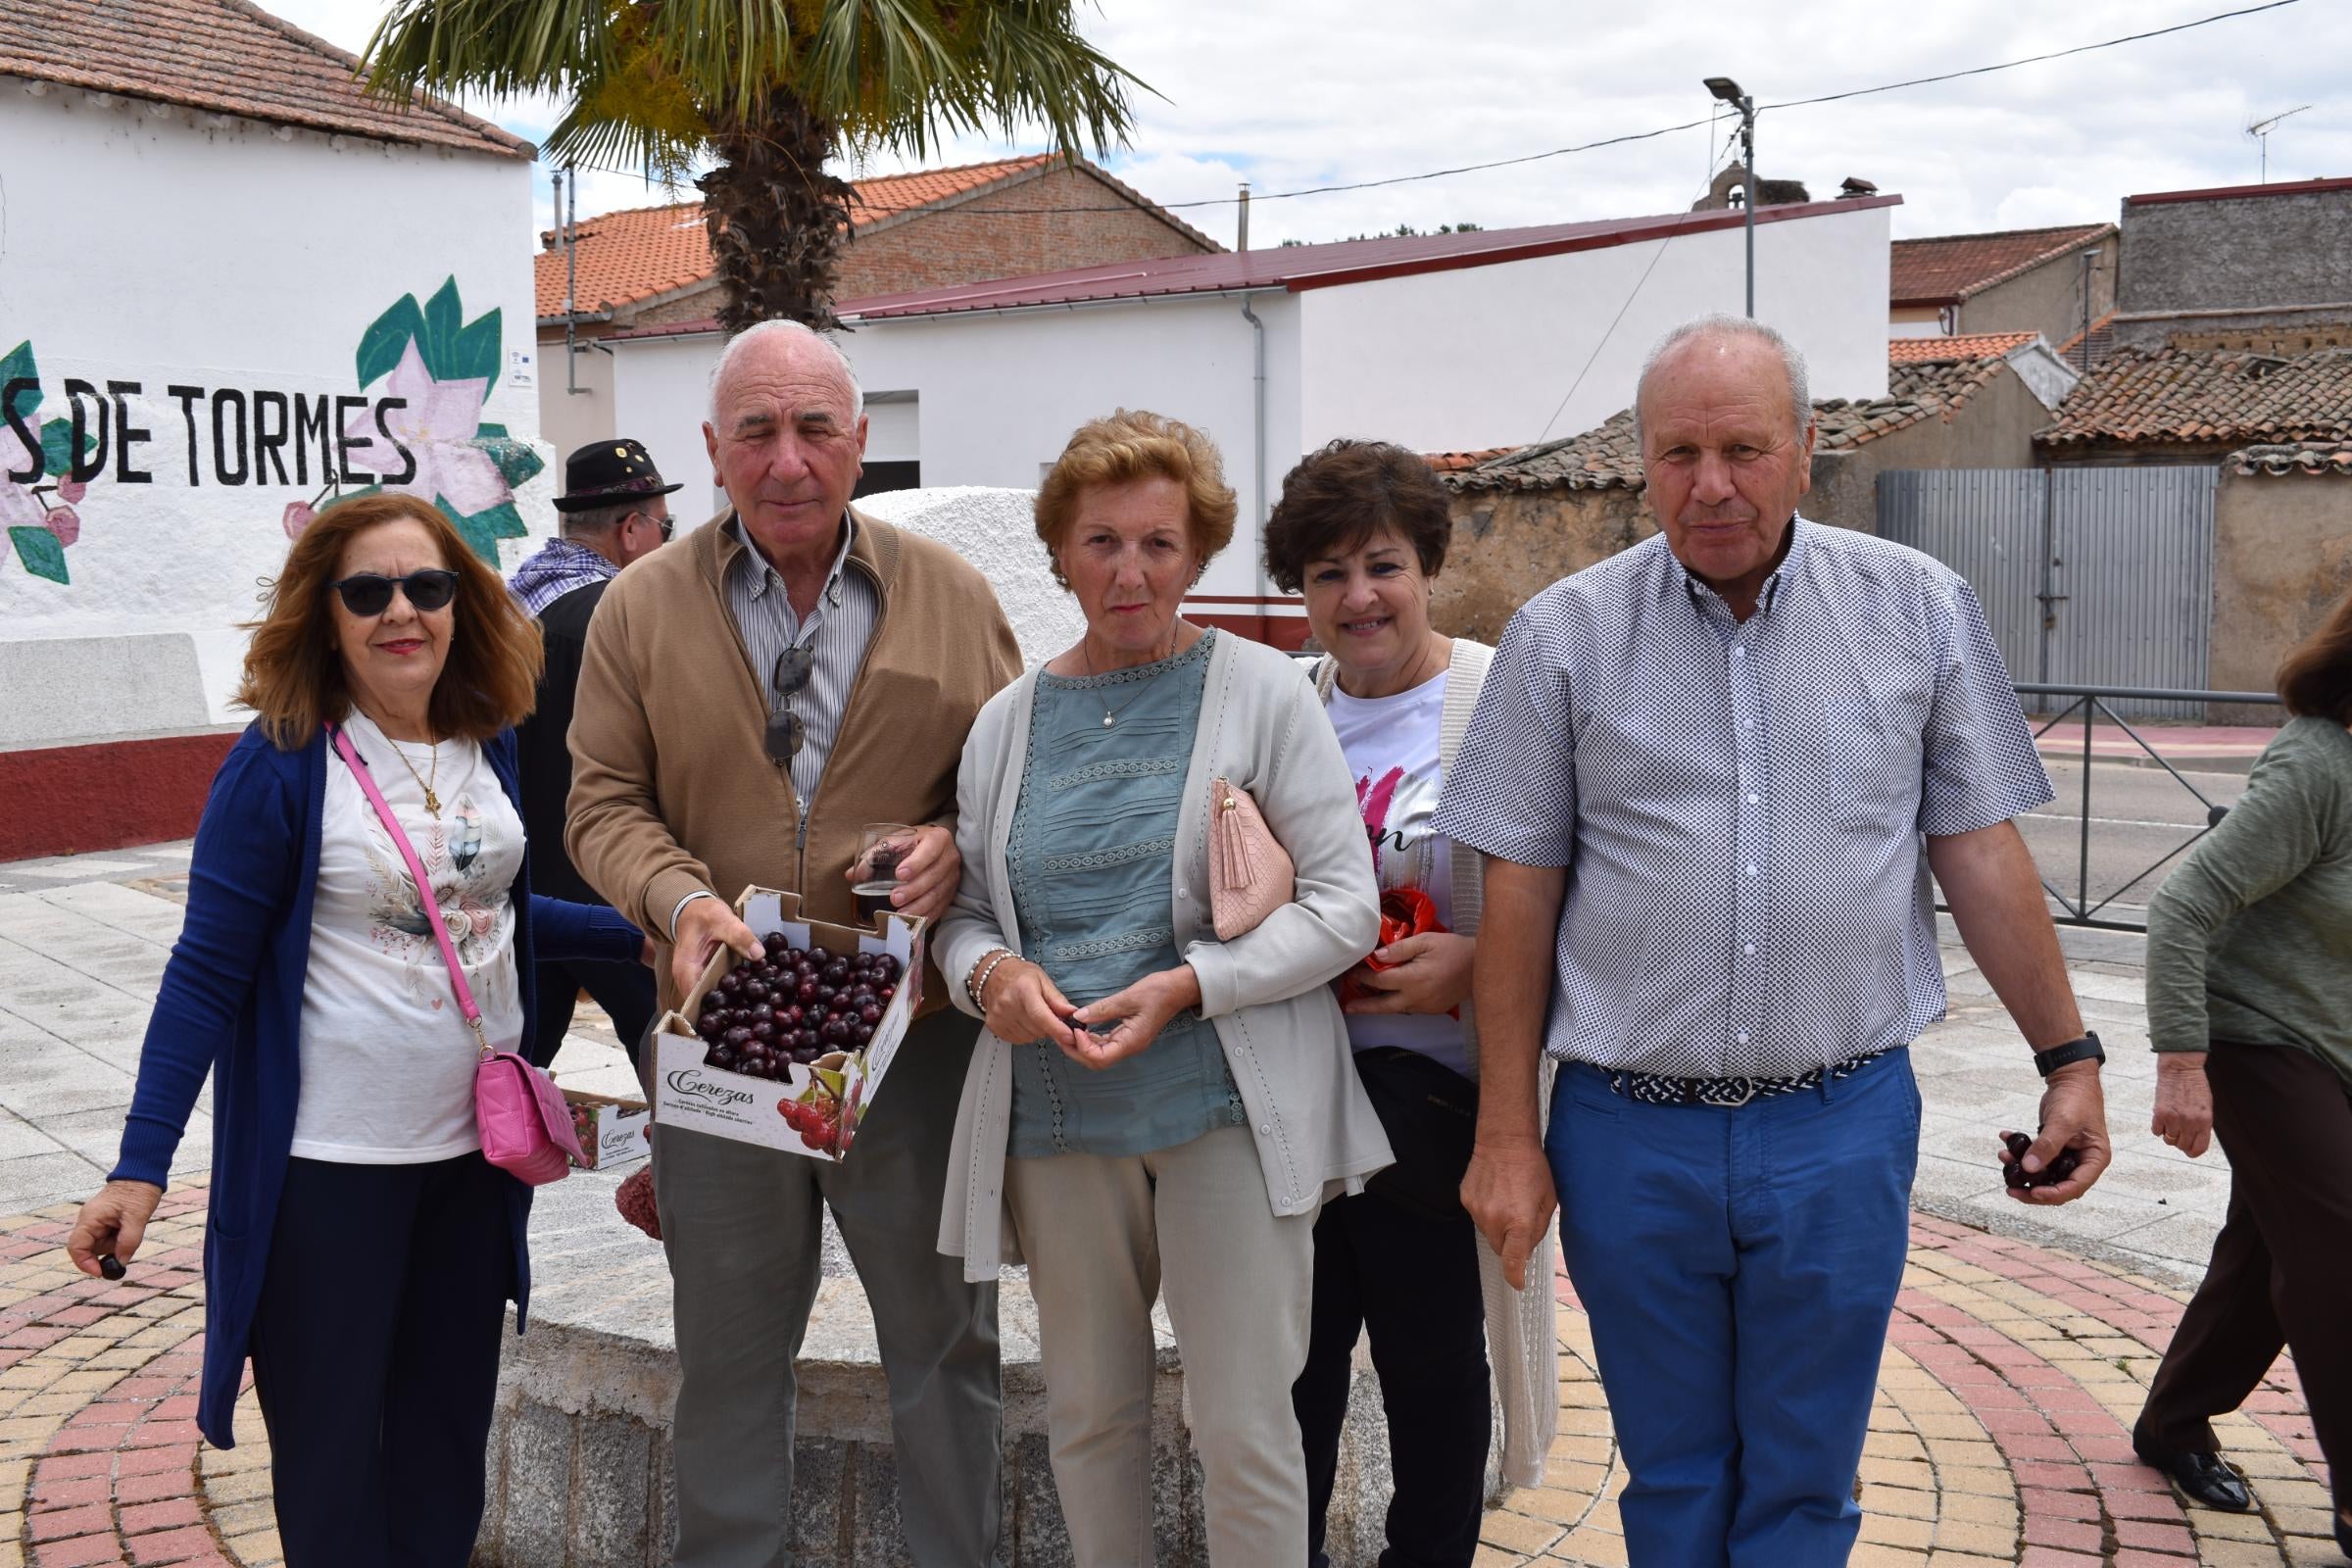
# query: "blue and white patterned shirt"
{"type": "Point", "coordinates": [1742, 804]}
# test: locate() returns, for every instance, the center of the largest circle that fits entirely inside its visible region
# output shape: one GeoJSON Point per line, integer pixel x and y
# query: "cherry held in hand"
{"type": "Point", "coordinates": [2014, 1173]}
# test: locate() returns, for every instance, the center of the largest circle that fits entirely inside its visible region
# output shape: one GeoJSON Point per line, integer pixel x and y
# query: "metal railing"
{"type": "Point", "coordinates": [2091, 701]}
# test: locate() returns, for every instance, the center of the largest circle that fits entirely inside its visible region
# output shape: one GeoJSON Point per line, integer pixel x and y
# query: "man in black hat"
{"type": "Point", "coordinates": [615, 510]}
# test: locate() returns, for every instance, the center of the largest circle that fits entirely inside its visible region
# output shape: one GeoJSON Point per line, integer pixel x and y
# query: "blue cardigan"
{"type": "Point", "coordinates": [231, 1003]}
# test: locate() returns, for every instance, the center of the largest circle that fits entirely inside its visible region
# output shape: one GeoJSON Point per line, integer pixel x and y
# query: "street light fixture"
{"type": "Point", "coordinates": [1728, 90]}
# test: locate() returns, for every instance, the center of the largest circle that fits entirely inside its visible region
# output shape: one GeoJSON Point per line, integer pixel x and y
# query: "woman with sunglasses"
{"type": "Point", "coordinates": [358, 1245]}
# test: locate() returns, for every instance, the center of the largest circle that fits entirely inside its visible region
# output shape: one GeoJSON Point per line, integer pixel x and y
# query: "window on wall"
{"type": "Point", "coordinates": [889, 477]}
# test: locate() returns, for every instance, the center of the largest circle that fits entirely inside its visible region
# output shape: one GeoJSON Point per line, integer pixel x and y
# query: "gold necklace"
{"type": "Point", "coordinates": [1086, 661]}
{"type": "Point", "coordinates": [432, 802]}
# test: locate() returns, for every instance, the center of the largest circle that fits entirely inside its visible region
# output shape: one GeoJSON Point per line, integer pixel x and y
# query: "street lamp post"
{"type": "Point", "coordinates": [1728, 90]}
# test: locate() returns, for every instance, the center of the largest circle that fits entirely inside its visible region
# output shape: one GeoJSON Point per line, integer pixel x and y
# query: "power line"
{"type": "Point", "coordinates": [1563, 152]}
{"type": "Point", "coordinates": [1591, 146]}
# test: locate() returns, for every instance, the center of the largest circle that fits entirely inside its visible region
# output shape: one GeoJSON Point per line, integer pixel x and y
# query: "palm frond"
{"type": "Point", "coordinates": [502, 46]}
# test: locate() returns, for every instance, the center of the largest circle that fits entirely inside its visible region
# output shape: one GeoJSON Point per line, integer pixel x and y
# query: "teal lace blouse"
{"type": "Point", "coordinates": [1092, 856]}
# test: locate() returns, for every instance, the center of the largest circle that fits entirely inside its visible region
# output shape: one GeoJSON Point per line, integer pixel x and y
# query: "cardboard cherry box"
{"type": "Point", "coordinates": [610, 1128]}
{"type": "Point", "coordinates": [815, 1107]}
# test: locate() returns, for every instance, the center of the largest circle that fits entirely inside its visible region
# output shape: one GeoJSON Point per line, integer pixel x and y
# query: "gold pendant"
{"type": "Point", "coordinates": [432, 802]}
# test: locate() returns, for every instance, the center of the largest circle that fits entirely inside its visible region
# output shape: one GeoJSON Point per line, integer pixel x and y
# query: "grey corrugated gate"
{"type": "Point", "coordinates": [2088, 577]}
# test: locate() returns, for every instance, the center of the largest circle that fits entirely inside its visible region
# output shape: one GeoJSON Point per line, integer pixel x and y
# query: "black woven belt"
{"type": "Point", "coordinates": [1657, 1089]}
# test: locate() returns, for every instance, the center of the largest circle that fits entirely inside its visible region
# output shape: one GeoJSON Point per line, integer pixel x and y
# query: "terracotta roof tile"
{"type": "Point", "coordinates": [1967, 346]}
{"type": "Point", "coordinates": [1455, 461]}
{"type": "Point", "coordinates": [2176, 394]}
{"type": "Point", "coordinates": [228, 56]}
{"type": "Point", "coordinates": [1953, 266]}
{"type": "Point", "coordinates": [1606, 456]}
{"type": "Point", "coordinates": [2102, 343]}
{"type": "Point", "coordinates": [2294, 457]}
{"type": "Point", "coordinates": [640, 252]}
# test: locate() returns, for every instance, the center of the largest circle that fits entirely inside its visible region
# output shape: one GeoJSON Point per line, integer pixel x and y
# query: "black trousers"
{"type": "Point", "coordinates": [625, 991]}
{"type": "Point", "coordinates": [1411, 1282]}
{"type": "Point", "coordinates": [375, 1358]}
{"type": "Point", "coordinates": [2282, 1269]}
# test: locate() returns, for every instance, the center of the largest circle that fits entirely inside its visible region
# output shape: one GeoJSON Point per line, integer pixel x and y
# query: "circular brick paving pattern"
{"type": "Point", "coordinates": [2000, 1435]}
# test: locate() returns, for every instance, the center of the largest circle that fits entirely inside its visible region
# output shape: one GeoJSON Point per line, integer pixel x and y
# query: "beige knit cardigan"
{"type": "Point", "coordinates": [1522, 1328]}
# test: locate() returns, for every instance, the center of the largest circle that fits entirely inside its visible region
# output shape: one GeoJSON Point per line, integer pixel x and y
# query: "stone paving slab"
{"type": "Point", "coordinates": [2000, 1433]}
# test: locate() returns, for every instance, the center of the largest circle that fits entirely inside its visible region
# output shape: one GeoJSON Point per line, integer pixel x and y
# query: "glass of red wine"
{"type": "Point", "coordinates": [881, 845]}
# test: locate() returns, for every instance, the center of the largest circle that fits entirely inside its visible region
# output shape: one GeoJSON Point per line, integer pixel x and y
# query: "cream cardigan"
{"type": "Point", "coordinates": [1267, 990]}
{"type": "Point", "coordinates": [1522, 1326]}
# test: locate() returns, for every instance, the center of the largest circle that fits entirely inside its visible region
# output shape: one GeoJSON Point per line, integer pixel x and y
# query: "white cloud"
{"type": "Point", "coordinates": [1310, 92]}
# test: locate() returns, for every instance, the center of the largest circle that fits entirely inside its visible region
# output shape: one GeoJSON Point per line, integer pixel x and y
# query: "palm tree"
{"type": "Point", "coordinates": [764, 92]}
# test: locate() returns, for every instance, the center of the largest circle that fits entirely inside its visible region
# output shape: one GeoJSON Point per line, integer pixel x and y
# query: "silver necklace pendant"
{"type": "Point", "coordinates": [1108, 720]}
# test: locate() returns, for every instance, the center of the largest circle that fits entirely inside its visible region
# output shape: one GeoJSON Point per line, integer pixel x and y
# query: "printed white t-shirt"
{"type": "Point", "coordinates": [387, 1059]}
{"type": "Point", "coordinates": [1392, 746]}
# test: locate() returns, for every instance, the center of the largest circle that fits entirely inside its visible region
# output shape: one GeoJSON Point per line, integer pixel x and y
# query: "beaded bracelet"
{"type": "Point", "coordinates": [975, 984]}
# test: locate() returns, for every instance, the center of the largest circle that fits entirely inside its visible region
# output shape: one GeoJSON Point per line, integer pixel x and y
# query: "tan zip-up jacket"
{"type": "Point", "coordinates": [672, 786]}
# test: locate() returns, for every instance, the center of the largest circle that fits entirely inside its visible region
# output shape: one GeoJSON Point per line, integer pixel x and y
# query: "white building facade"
{"type": "Point", "coordinates": [1438, 344]}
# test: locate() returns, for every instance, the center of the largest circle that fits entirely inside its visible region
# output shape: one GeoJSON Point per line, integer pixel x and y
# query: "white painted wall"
{"type": "Point", "coordinates": [996, 531]}
{"type": "Point", "coordinates": [1476, 356]}
{"type": "Point", "coordinates": [165, 247]}
{"type": "Point", "coordinates": [999, 395]}
{"type": "Point", "coordinates": [1483, 357]}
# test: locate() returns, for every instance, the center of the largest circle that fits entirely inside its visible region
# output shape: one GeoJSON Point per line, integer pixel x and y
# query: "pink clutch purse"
{"type": "Point", "coordinates": [1250, 874]}
{"type": "Point", "coordinates": [526, 1125]}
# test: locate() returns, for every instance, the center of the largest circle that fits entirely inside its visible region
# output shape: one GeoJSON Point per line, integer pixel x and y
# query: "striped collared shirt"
{"type": "Point", "coordinates": [1742, 803]}
{"type": "Point", "coordinates": [837, 630]}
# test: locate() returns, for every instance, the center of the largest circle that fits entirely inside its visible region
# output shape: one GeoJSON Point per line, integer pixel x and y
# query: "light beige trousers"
{"type": "Point", "coordinates": [1103, 1235]}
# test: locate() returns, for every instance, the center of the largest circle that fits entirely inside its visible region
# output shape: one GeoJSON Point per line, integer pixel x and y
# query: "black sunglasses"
{"type": "Point", "coordinates": [785, 732]}
{"type": "Point", "coordinates": [370, 593]}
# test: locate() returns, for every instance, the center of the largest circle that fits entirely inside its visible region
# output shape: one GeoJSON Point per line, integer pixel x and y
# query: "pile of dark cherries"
{"type": "Point", "coordinates": [794, 1005]}
{"type": "Point", "coordinates": [2014, 1173]}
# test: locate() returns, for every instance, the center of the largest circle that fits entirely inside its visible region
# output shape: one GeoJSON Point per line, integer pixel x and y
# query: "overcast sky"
{"type": "Point", "coordinates": [1311, 92]}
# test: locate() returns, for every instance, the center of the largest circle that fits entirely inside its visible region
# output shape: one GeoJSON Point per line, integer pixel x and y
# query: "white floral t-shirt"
{"type": "Point", "coordinates": [1392, 745]}
{"type": "Point", "coordinates": [387, 1060]}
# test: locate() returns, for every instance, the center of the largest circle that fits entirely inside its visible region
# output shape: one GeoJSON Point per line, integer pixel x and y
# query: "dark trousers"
{"type": "Point", "coordinates": [625, 991]}
{"type": "Point", "coordinates": [375, 1358]}
{"type": "Point", "coordinates": [742, 1225]}
{"type": "Point", "coordinates": [2281, 1270]}
{"type": "Point", "coordinates": [1738, 1267]}
{"type": "Point", "coordinates": [1412, 1282]}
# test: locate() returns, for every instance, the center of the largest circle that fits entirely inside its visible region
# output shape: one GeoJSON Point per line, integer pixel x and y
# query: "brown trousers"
{"type": "Point", "coordinates": [2281, 1270]}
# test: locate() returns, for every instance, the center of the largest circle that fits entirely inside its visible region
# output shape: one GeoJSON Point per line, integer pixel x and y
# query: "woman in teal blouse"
{"type": "Point", "coordinates": [1152, 1105]}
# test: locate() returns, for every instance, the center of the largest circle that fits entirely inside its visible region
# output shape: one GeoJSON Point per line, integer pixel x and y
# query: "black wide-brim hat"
{"type": "Point", "coordinates": [605, 473]}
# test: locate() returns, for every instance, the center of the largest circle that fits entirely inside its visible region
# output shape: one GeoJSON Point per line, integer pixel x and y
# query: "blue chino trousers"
{"type": "Point", "coordinates": [1739, 1267]}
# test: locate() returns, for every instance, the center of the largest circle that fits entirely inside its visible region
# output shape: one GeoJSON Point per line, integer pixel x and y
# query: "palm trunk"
{"type": "Point", "coordinates": [777, 219]}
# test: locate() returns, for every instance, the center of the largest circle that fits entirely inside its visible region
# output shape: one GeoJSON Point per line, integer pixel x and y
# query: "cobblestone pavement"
{"type": "Point", "coordinates": [2020, 1349]}
{"type": "Point", "coordinates": [2000, 1434]}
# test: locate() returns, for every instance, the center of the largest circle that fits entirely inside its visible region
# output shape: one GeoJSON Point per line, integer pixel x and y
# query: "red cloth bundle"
{"type": "Point", "coordinates": [1403, 913]}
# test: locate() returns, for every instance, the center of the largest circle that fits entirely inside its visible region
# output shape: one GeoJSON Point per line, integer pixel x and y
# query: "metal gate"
{"type": "Point", "coordinates": [2088, 577]}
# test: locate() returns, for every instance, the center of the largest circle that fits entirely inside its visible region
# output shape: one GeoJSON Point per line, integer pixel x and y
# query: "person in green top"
{"type": "Point", "coordinates": [2250, 1009]}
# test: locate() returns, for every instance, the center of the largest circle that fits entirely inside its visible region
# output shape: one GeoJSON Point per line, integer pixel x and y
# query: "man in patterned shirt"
{"type": "Point", "coordinates": [1710, 778]}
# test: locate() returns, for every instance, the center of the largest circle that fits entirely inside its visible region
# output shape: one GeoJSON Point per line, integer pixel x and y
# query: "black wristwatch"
{"type": "Point", "coordinates": [2087, 1049]}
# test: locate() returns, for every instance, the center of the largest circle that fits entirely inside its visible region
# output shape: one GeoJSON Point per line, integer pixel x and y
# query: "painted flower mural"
{"type": "Point", "coordinates": [38, 529]}
{"type": "Point", "coordinates": [434, 445]}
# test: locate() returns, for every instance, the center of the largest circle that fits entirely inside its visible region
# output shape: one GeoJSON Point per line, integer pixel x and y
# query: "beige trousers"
{"type": "Point", "coordinates": [1102, 1233]}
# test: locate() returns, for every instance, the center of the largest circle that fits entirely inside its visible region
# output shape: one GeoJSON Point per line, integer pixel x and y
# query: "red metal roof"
{"type": "Point", "coordinates": [228, 56]}
{"type": "Point", "coordinates": [639, 251]}
{"type": "Point", "coordinates": [2215, 193]}
{"type": "Point", "coordinates": [1948, 267]}
{"type": "Point", "coordinates": [1299, 267]}
{"type": "Point", "coordinates": [1965, 346]}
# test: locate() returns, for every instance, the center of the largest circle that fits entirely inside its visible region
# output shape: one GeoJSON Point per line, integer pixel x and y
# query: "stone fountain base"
{"type": "Point", "coordinates": [580, 1466]}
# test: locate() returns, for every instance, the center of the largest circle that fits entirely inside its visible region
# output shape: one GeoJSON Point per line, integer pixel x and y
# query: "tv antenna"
{"type": "Point", "coordinates": [2260, 130]}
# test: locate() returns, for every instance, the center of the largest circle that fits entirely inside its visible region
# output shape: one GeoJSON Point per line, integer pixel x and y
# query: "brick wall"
{"type": "Point", "coordinates": [957, 246]}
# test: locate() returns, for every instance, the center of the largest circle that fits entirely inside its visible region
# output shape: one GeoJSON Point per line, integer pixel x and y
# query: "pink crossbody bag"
{"type": "Point", "coordinates": [525, 1122]}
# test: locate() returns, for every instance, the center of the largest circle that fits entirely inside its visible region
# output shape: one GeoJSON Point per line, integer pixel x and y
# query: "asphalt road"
{"type": "Point", "coordinates": [2138, 815]}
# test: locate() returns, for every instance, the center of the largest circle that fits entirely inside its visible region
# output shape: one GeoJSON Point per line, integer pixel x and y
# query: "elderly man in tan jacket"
{"type": "Point", "coordinates": [749, 700]}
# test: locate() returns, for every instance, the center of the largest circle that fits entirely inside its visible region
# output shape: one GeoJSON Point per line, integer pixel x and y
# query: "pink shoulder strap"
{"type": "Point", "coordinates": [426, 903]}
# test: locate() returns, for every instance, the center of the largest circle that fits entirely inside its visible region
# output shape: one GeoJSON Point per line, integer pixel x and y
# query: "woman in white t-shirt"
{"type": "Point", "coordinates": [358, 1246]}
{"type": "Point", "coordinates": [1361, 531]}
